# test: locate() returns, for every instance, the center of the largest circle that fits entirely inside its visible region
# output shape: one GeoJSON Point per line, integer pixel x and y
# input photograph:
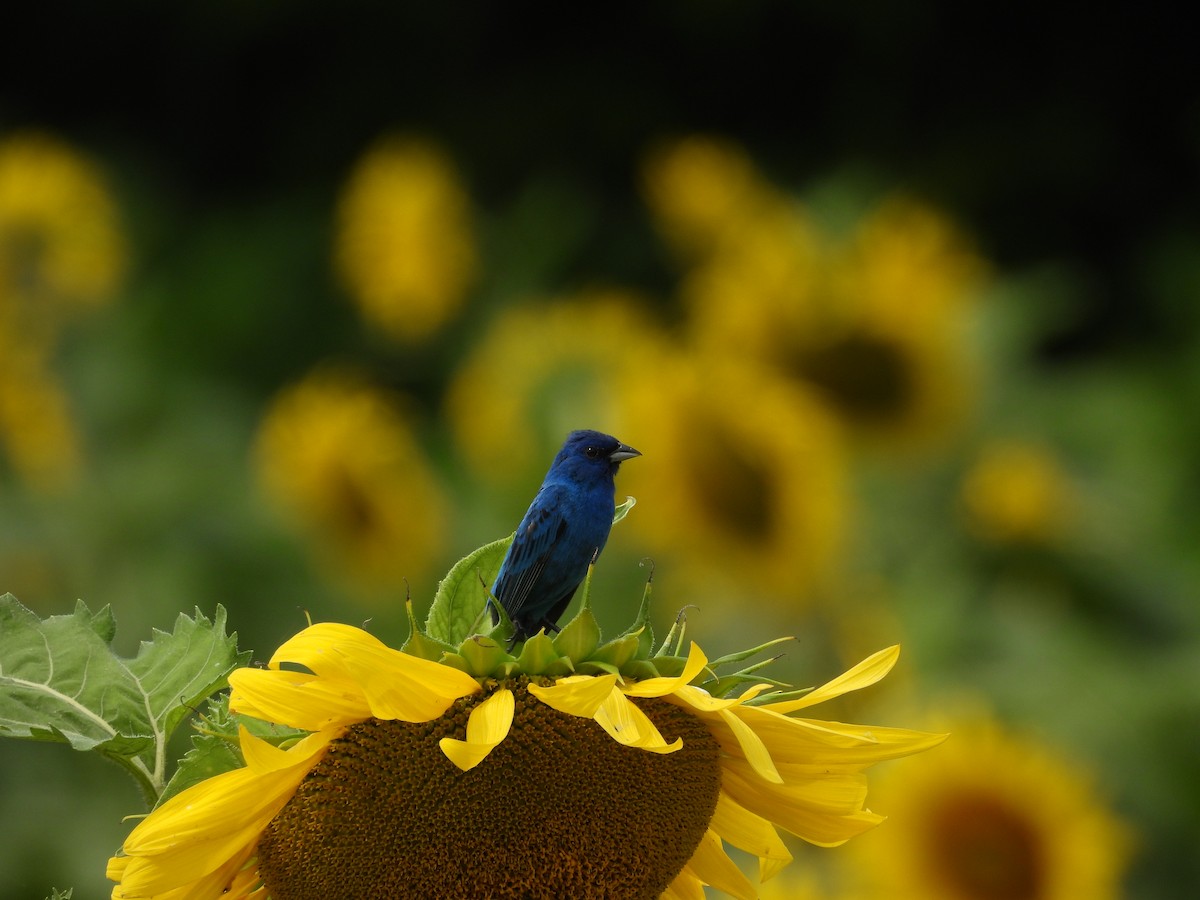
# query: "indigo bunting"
{"type": "Point", "coordinates": [563, 531]}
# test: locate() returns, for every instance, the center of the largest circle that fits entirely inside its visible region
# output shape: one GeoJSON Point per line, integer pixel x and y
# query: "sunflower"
{"type": "Point", "coordinates": [37, 435]}
{"type": "Point", "coordinates": [874, 321]}
{"type": "Point", "coordinates": [574, 769]}
{"type": "Point", "coordinates": [753, 462]}
{"type": "Point", "coordinates": [61, 244]}
{"type": "Point", "coordinates": [1017, 491]}
{"type": "Point", "coordinates": [403, 246]}
{"type": "Point", "coordinates": [994, 817]}
{"type": "Point", "coordinates": [543, 369]}
{"type": "Point", "coordinates": [341, 457]}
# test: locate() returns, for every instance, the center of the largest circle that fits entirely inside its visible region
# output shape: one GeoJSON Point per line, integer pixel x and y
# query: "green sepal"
{"type": "Point", "coordinates": [56, 894]}
{"type": "Point", "coordinates": [560, 668]}
{"type": "Point", "coordinates": [672, 644]}
{"type": "Point", "coordinates": [623, 509]}
{"type": "Point", "coordinates": [669, 666]}
{"type": "Point", "coordinates": [640, 670]}
{"type": "Point", "coordinates": [777, 697]}
{"type": "Point", "coordinates": [420, 644]}
{"type": "Point", "coordinates": [740, 655]}
{"type": "Point", "coordinates": [618, 652]}
{"type": "Point", "coordinates": [596, 667]}
{"type": "Point", "coordinates": [454, 661]}
{"type": "Point", "coordinates": [726, 683]}
{"type": "Point", "coordinates": [537, 655]}
{"type": "Point", "coordinates": [580, 637]}
{"type": "Point", "coordinates": [485, 657]}
{"type": "Point", "coordinates": [641, 624]}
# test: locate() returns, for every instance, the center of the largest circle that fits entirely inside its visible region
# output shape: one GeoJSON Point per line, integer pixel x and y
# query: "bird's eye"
{"type": "Point", "coordinates": [592, 452]}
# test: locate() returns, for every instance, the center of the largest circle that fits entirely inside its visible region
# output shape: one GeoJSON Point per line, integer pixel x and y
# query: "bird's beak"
{"type": "Point", "coordinates": [622, 453]}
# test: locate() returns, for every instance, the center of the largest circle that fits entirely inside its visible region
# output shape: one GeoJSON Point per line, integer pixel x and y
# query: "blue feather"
{"type": "Point", "coordinates": [564, 529]}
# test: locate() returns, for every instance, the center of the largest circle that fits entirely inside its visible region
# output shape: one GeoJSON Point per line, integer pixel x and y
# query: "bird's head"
{"type": "Point", "coordinates": [592, 454]}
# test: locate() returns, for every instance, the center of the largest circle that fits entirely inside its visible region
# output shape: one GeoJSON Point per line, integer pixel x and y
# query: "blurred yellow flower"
{"type": "Point", "coordinates": [403, 244]}
{"type": "Point", "coordinates": [794, 883]}
{"type": "Point", "coordinates": [875, 322]}
{"type": "Point", "coordinates": [991, 816]}
{"type": "Point", "coordinates": [699, 187]}
{"type": "Point", "coordinates": [1017, 491]}
{"type": "Point", "coordinates": [37, 435]}
{"type": "Point", "coordinates": [341, 458]}
{"type": "Point", "coordinates": [545, 370]}
{"type": "Point", "coordinates": [61, 249]}
{"type": "Point", "coordinates": [60, 240]}
{"type": "Point", "coordinates": [748, 472]}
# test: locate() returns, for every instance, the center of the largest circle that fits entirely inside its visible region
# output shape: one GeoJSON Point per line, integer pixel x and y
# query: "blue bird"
{"type": "Point", "coordinates": [563, 530]}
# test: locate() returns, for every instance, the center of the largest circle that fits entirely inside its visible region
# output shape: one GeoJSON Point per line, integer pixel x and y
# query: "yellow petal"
{"type": "Point", "coordinates": [488, 725]}
{"type": "Point", "coordinates": [407, 688]}
{"type": "Point", "coordinates": [395, 684]}
{"type": "Point", "coordinates": [830, 744]}
{"type": "Point", "coordinates": [702, 700]}
{"type": "Point", "coordinates": [822, 814]}
{"type": "Point", "coordinates": [202, 835]}
{"type": "Point", "coordinates": [866, 673]}
{"type": "Point", "coordinates": [296, 699]}
{"type": "Point", "coordinates": [312, 647]}
{"type": "Point", "coordinates": [754, 834]}
{"type": "Point", "coordinates": [713, 866]}
{"type": "Point", "coordinates": [577, 695]}
{"type": "Point", "coordinates": [660, 687]}
{"type": "Point", "coordinates": [755, 750]}
{"type": "Point", "coordinates": [686, 886]}
{"type": "Point", "coordinates": [628, 725]}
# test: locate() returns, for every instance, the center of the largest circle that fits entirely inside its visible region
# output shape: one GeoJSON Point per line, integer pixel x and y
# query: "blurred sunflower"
{"type": "Point", "coordinates": [796, 885]}
{"type": "Point", "coordinates": [61, 245]}
{"type": "Point", "coordinates": [37, 433]}
{"type": "Point", "coordinates": [544, 370]}
{"type": "Point", "coordinates": [700, 187]}
{"type": "Point", "coordinates": [874, 323]}
{"type": "Point", "coordinates": [993, 817]}
{"type": "Point", "coordinates": [1017, 491]}
{"type": "Point", "coordinates": [403, 245]}
{"type": "Point", "coordinates": [752, 463]}
{"type": "Point", "coordinates": [61, 249]}
{"type": "Point", "coordinates": [339, 455]}
{"type": "Point", "coordinates": [419, 779]}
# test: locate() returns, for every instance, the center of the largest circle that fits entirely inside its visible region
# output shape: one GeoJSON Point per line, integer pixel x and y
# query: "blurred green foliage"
{"type": "Point", "coordinates": [225, 135]}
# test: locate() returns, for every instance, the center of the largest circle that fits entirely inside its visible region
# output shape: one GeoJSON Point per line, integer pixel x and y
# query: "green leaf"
{"type": "Point", "coordinates": [56, 894]}
{"type": "Point", "coordinates": [459, 606]}
{"type": "Point", "coordinates": [60, 681]}
{"type": "Point", "coordinates": [215, 749]}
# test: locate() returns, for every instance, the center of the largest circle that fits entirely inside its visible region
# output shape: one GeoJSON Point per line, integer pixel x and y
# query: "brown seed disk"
{"type": "Point", "coordinates": [558, 809]}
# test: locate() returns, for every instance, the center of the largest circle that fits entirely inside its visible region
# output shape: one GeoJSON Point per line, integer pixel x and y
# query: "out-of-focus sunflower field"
{"type": "Point", "coordinates": [297, 302]}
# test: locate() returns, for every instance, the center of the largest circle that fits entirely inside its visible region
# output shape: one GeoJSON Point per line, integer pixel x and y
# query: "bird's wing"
{"type": "Point", "coordinates": [542, 528]}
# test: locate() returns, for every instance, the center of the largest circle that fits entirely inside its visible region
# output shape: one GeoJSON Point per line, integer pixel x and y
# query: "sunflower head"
{"type": "Point", "coordinates": [571, 766]}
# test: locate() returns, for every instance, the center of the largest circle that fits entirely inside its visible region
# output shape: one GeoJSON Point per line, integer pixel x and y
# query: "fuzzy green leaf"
{"type": "Point", "coordinates": [60, 681]}
{"type": "Point", "coordinates": [460, 604]}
